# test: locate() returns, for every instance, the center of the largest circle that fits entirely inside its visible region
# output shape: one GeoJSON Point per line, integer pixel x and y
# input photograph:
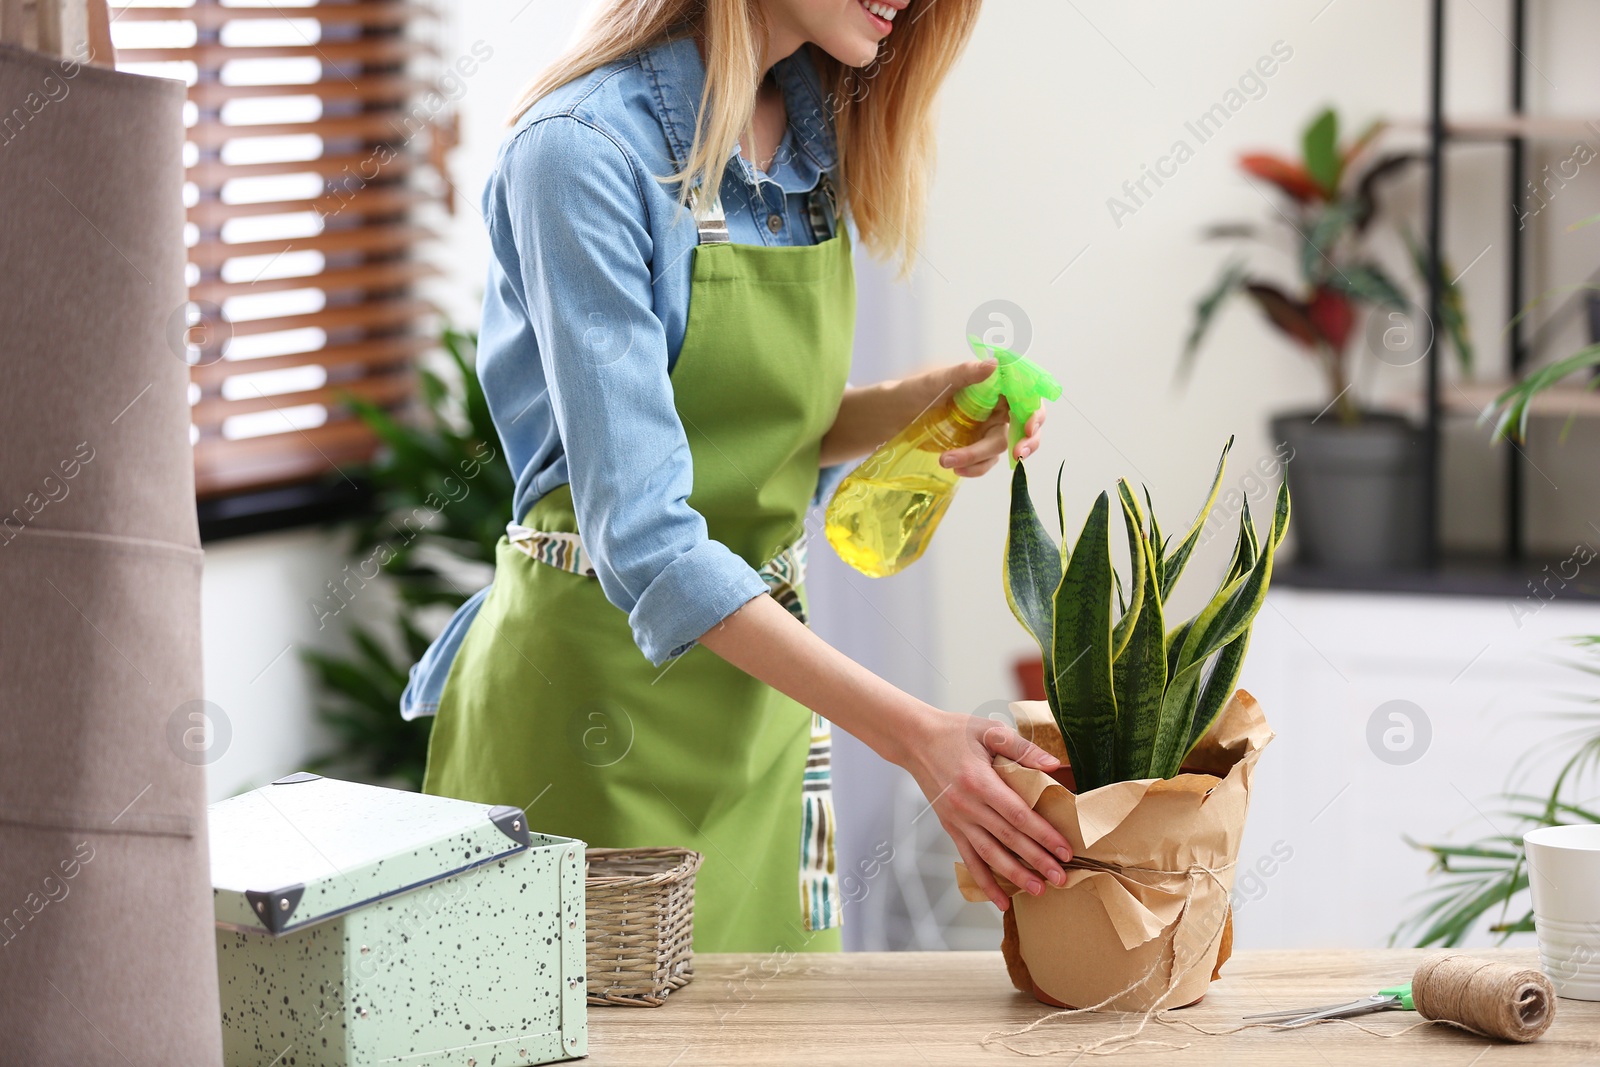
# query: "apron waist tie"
{"type": "Point", "coordinates": [783, 573]}
{"type": "Point", "coordinates": [820, 899]}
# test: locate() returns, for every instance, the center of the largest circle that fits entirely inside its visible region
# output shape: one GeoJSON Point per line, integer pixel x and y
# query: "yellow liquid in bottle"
{"type": "Point", "coordinates": [883, 515]}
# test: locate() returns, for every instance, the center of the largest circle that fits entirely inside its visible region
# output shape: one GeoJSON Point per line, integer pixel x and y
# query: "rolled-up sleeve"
{"type": "Point", "coordinates": [575, 204]}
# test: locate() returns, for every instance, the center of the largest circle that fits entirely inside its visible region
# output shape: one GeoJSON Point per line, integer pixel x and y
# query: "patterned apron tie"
{"type": "Point", "coordinates": [819, 876]}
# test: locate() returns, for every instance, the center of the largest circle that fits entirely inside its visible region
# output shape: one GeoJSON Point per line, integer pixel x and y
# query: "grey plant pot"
{"type": "Point", "coordinates": [1358, 491]}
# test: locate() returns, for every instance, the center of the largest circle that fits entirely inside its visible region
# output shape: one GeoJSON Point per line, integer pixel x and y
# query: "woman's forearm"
{"type": "Point", "coordinates": [872, 414]}
{"type": "Point", "coordinates": [869, 416]}
{"type": "Point", "coordinates": [949, 756]}
{"type": "Point", "coordinates": [765, 641]}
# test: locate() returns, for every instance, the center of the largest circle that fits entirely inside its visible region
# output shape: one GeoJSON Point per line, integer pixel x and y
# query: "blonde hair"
{"type": "Point", "coordinates": [883, 114]}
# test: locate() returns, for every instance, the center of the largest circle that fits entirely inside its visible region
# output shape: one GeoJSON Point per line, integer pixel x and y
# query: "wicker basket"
{"type": "Point", "coordinates": [640, 915]}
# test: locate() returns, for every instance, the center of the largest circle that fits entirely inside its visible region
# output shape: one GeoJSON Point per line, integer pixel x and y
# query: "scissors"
{"type": "Point", "coordinates": [1394, 998]}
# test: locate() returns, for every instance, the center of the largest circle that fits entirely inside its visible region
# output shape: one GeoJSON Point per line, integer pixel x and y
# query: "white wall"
{"type": "Point", "coordinates": [264, 600]}
{"type": "Point", "coordinates": [254, 605]}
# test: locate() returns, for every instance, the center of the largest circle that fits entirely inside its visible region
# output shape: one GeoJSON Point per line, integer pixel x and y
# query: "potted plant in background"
{"type": "Point", "coordinates": [1358, 474]}
{"type": "Point", "coordinates": [1488, 878]}
{"type": "Point", "coordinates": [1158, 750]}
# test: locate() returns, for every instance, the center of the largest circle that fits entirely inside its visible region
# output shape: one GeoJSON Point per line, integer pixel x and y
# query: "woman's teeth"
{"type": "Point", "coordinates": [883, 11]}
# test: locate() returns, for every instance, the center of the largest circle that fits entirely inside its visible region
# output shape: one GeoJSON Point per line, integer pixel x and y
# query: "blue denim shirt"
{"type": "Point", "coordinates": [584, 316]}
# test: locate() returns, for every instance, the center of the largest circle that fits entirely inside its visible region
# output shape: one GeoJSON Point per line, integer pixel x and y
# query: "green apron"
{"type": "Point", "coordinates": [549, 704]}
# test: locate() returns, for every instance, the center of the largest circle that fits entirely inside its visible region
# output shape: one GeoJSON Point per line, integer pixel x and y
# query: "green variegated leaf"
{"type": "Point", "coordinates": [1086, 707]}
{"type": "Point", "coordinates": [1061, 516]}
{"type": "Point", "coordinates": [1173, 567]}
{"type": "Point", "coordinates": [1242, 603]}
{"type": "Point", "coordinates": [1140, 671]}
{"type": "Point", "coordinates": [1246, 548]}
{"type": "Point", "coordinates": [1032, 572]}
{"type": "Point", "coordinates": [1244, 556]}
{"type": "Point", "coordinates": [1218, 687]}
{"type": "Point", "coordinates": [1158, 545]}
{"type": "Point", "coordinates": [1183, 682]}
{"type": "Point", "coordinates": [1212, 631]}
{"type": "Point", "coordinates": [1138, 560]}
{"type": "Point", "coordinates": [1174, 644]}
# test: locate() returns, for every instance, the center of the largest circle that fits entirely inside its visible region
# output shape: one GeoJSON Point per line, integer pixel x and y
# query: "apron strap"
{"type": "Point", "coordinates": [714, 226]}
{"type": "Point", "coordinates": [560, 550]}
{"type": "Point", "coordinates": [821, 902]}
{"type": "Point", "coordinates": [822, 209]}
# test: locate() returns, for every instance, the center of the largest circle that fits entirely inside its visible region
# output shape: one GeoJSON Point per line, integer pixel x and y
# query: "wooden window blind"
{"type": "Point", "coordinates": [316, 140]}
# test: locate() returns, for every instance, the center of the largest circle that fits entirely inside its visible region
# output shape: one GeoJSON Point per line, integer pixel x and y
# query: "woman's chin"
{"type": "Point", "coordinates": [852, 49]}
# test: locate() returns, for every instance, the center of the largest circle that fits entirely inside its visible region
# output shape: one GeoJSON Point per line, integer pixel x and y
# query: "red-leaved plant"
{"type": "Point", "coordinates": [1331, 193]}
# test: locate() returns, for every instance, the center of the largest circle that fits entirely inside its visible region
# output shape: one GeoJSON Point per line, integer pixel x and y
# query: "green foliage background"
{"type": "Point", "coordinates": [443, 493]}
{"type": "Point", "coordinates": [1488, 878]}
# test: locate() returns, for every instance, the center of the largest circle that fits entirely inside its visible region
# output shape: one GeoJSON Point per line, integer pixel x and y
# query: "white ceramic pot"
{"type": "Point", "coordinates": [1564, 876]}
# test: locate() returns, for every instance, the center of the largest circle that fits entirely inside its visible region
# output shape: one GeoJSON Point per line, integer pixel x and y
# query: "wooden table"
{"type": "Point", "coordinates": [928, 1009]}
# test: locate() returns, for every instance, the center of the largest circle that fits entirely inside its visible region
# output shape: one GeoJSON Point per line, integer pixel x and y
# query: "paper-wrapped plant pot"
{"type": "Point", "coordinates": [1143, 921]}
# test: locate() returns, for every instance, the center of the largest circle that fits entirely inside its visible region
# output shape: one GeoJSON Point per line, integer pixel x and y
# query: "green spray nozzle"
{"type": "Point", "coordinates": [1023, 383]}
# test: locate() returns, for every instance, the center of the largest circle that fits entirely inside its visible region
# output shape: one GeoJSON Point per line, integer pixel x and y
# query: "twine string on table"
{"type": "Point", "coordinates": [1486, 997]}
{"type": "Point", "coordinates": [1121, 1042]}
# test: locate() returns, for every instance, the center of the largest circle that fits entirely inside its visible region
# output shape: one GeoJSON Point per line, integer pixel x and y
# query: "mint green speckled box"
{"type": "Point", "coordinates": [359, 926]}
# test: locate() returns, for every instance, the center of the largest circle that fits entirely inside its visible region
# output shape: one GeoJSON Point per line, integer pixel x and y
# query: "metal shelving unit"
{"type": "Point", "coordinates": [1509, 575]}
{"type": "Point", "coordinates": [1513, 132]}
{"type": "Point", "coordinates": [1515, 129]}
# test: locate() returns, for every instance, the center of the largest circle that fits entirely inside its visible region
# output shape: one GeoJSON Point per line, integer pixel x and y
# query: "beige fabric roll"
{"type": "Point", "coordinates": [106, 945]}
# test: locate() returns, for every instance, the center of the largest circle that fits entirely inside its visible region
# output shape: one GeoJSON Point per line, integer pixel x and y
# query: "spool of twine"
{"type": "Point", "coordinates": [1494, 999]}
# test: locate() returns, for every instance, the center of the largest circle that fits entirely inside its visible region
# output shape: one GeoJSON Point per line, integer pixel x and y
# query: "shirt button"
{"type": "Point", "coordinates": [775, 223]}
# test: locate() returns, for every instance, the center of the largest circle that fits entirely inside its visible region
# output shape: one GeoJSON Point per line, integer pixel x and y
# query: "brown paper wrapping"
{"type": "Point", "coordinates": [107, 947]}
{"type": "Point", "coordinates": [1143, 920]}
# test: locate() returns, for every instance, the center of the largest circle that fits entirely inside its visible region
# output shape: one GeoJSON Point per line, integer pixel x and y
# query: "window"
{"type": "Point", "coordinates": [316, 134]}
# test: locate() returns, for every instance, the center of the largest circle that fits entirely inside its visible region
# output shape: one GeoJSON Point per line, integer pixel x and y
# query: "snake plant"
{"type": "Point", "coordinates": [1132, 694]}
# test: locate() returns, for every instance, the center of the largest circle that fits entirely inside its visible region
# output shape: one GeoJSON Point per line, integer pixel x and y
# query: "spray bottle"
{"type": "Point", "coordinates": [883, 515]}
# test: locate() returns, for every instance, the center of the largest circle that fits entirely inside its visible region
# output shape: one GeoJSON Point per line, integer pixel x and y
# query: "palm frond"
{"type": "Point", "coordinates": [1491, 871]}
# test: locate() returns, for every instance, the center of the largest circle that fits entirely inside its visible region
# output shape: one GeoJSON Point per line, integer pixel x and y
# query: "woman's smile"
{"type": "Point", "coordinates": [882, 14]}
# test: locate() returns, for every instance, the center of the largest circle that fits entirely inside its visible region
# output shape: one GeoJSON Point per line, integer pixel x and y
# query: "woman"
{"type": "Point", "coordinates": [667, 372]}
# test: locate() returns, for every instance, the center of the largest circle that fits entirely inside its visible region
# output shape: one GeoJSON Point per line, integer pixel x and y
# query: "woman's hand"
{"type": "Point", "coordinates": [871, 415]}
{"type": "Point", "coordinates": [995, 832]}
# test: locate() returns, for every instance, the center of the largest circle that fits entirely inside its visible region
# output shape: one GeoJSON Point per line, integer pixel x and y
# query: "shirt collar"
{"type": "Point", "coordinates": [678, 76]}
